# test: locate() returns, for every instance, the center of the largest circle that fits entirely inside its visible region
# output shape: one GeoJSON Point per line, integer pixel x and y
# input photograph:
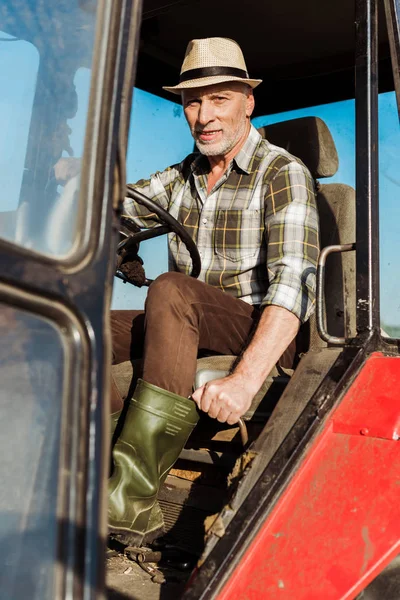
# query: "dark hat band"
{"type": "Point", "coordinates": [212, 72]}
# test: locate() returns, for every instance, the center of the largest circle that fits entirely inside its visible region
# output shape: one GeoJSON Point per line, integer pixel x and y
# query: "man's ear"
{"type": "Point", "coordinates": [250, 103]}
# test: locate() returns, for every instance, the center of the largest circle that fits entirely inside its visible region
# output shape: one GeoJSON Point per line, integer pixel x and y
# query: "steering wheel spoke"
{"type": "Point", "coordinates": [168, 224]}
{"type": "Point", "coordinates": [142, 235]}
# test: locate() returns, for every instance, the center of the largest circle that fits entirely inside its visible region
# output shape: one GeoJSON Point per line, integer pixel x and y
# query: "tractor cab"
{"type": "Point", "coordinates": [299, 500]}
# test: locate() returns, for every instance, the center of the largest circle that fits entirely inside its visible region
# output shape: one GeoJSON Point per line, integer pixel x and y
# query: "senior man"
{"type": "Point", "coordinates": [250, 207]}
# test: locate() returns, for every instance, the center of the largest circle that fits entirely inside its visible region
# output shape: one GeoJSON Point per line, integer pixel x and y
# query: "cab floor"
{"type": "Point", "coordinates": [127, 581]}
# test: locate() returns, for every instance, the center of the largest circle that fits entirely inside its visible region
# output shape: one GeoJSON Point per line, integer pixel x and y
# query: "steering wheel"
{"type": "Point", "coordinates": [132, 237]}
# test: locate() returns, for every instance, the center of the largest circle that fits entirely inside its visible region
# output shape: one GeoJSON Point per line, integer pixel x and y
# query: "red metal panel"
{"type": "Point", "coordinates": [373, 408]}
{"type": "Point", "coordinates": [338, 522]}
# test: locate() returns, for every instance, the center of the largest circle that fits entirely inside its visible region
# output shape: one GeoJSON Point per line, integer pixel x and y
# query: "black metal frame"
{"type": "Point", "coordinates": [367, 194]}
{"type": "Point", "coordinates": [58, 292]}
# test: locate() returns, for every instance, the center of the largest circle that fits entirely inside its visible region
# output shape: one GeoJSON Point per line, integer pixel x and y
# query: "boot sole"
{"type": "Point", "coordinates": [134, 538]}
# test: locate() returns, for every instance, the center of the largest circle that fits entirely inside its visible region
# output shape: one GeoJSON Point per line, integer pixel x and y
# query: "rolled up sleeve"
{"type": "Point", "coordinates": [292, 236]}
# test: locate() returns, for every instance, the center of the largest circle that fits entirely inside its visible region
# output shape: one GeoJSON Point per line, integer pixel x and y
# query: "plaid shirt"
{"type": "Point", "coordinates": [257, 231]}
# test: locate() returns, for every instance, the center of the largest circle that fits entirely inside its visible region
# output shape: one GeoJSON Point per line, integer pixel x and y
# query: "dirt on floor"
{"type": "Point", "coordinates": [126, 580]}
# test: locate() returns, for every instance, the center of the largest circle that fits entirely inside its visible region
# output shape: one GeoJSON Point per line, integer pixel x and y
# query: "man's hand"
{"type": "Point", "coordinates": [66, 168]}
{"type": "Point", "coordinates": [225, 399]}
{"type": "Point", "coordinates": [229, 398]}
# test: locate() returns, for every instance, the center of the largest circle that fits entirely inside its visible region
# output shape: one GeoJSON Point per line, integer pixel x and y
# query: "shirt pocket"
{"type": "Point", "coordinates": [238, 234]}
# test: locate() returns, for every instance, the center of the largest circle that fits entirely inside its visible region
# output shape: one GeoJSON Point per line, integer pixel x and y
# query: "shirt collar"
{"type": "Point", "coordinates": [200, 164]}
{"type": "Point", "coordinates": [243, 159]}
{"type": "Point", "coordinates": [245, 156]}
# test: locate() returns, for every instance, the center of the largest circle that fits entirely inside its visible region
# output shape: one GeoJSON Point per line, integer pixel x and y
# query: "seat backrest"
{"type": "Point", "coordinates": [310, 140]}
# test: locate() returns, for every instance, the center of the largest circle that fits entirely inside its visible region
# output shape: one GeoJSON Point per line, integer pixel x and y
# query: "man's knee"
{"type": "Point", "coordinates": [166, 287]}
{"type": "Point", "coordinates": [169, 290]}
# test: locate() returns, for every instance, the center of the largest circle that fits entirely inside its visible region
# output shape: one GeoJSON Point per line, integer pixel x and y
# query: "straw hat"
{"type": "Point", "coordinates": [212, 60]}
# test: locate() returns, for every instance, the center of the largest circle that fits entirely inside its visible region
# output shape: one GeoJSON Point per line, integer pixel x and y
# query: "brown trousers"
{"type": "Point", "coordinates": [183, 317]}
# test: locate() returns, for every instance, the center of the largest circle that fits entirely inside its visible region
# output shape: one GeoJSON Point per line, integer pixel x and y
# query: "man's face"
{"type": "Point", "coordinates": [218, 115]}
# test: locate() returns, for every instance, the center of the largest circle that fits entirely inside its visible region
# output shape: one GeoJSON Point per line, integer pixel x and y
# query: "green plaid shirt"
{"type": "Point", "coordinates": [257, 231]}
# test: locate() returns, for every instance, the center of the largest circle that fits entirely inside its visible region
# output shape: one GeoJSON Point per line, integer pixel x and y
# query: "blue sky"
{"type": "Point", "coordinates": [160, 137]}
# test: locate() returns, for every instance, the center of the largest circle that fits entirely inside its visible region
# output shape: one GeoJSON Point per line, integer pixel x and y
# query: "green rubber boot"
{"type": "Point", "coordinates": [113, 422]}
{"type": "Point", "coordinates": [114, 417]}
{"type": "Point", "coordinates": [156, 428]}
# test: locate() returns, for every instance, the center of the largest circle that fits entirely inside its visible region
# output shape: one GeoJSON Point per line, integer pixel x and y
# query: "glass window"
{"type": "Point", "coordinates": [159, 137]}
{"type": "Point", "coordinates": [45, 60]}
{"type": "Point", "coordinates": [16, 102]}
{"type": "Point", "coordinates": [31, 374]}
{"type": "Point", "coordinates": [389, 217]}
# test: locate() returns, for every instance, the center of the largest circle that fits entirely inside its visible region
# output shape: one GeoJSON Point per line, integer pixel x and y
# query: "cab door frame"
{"type": "Point", "coordinates": [75, 295]}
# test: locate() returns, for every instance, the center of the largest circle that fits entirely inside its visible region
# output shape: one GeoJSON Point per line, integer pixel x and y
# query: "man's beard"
{"type": "Point", "coordinates": [224, 146]}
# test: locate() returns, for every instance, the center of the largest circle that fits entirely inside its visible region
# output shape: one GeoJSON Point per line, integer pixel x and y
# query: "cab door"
{"type": "Point", "coordinates": [66, 72]}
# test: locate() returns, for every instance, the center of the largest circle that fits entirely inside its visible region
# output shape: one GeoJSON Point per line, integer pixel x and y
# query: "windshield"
{"type": "Point", "coordinates": [45, 60]}
{"type": "Point", "coordinates": [31, 373]}
{"type": "Point", "coordinates": [42, 118]}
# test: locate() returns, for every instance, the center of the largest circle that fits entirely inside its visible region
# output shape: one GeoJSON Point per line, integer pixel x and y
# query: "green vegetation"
{"type": "Point", "coordinates": [391, 330]}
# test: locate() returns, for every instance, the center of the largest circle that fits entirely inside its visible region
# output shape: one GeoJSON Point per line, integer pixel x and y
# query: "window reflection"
{"type": "Point", "coordinates": [45, 82]}
{"type": "Point", "coordinates": [63, 216]}
{"type": "Point", "coordinates": [16, 101]}
{"type": "Point", "coordinates": [31, 374]}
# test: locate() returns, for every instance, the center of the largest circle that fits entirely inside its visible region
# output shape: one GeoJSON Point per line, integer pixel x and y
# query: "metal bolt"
{"type": "Point", "coordinates": [364, 431]}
